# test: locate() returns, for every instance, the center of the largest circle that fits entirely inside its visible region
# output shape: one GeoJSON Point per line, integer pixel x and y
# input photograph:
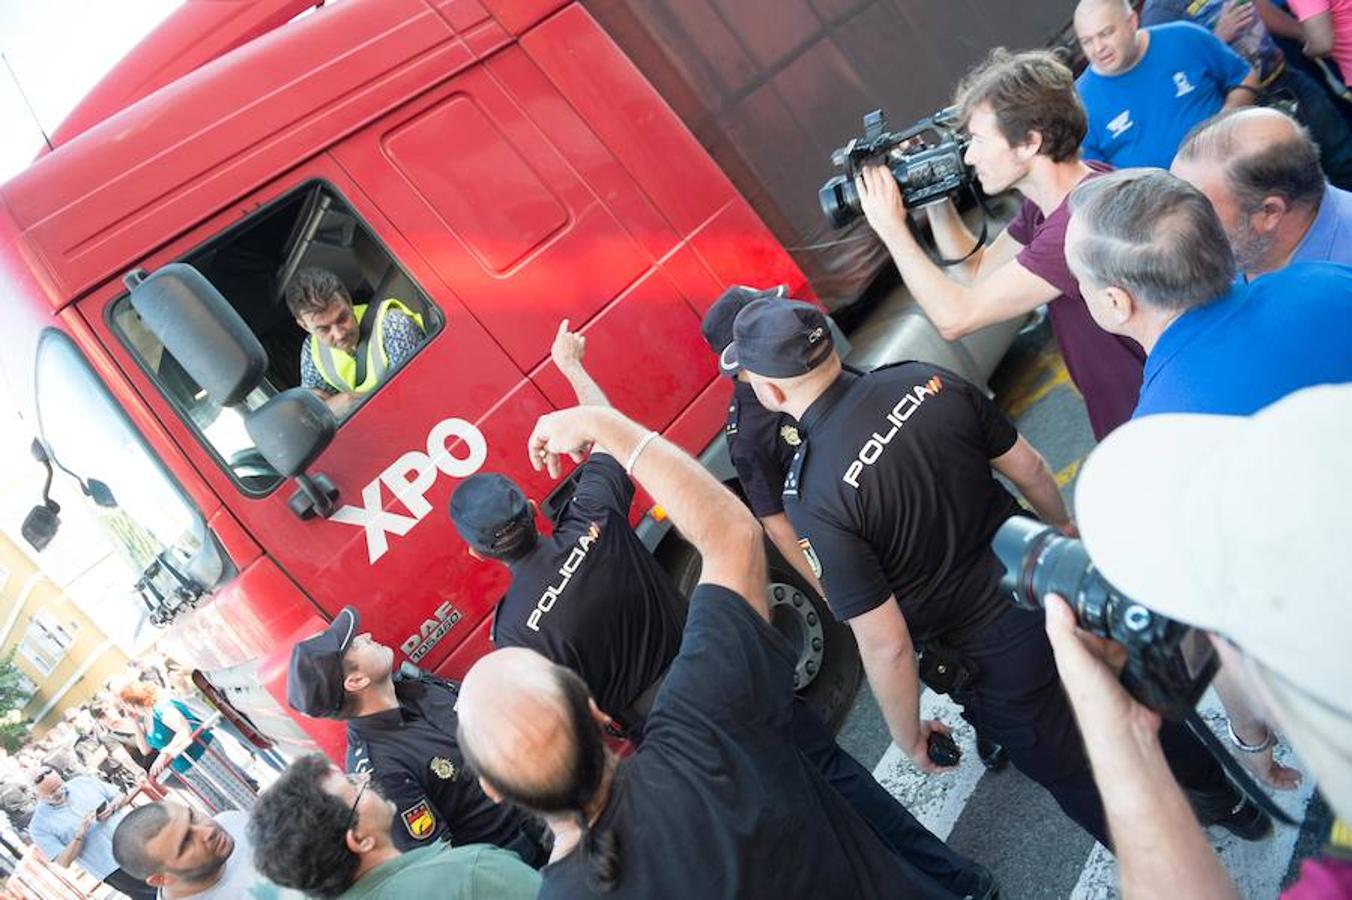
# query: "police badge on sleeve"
{"type": "Point", "coordinates": [816, 564]}
{"type": "Point", "coordinates": [418, 820]}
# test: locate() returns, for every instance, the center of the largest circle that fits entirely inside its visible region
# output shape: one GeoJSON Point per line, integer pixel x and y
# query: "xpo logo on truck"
{"type": "Point", "coordinates": [409, 478]}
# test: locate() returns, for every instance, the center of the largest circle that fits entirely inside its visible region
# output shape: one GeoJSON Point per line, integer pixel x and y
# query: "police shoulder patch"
{"type": "Point", "coordinates": [812, 560]}
{"type": "Point", "coordinates": [418, 820]}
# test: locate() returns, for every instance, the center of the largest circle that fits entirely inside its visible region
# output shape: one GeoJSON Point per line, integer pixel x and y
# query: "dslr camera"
{"type": "Point", "coordinates": [925, 159]}
{"type": "Point", "coordinates": [1169, 664]}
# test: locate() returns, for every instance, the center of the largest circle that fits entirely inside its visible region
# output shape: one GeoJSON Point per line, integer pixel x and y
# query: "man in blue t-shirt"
{"type": "Point", "coordinates": [1238, 24]}
{"type": "Point", "coordinates": [1212, 345]}
{"type": "Point", "coordinates": [1146, 88]}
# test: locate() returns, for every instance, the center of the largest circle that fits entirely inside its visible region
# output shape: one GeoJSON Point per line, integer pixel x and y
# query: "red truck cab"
{"type": "Point", "coordinates": [498, 165]}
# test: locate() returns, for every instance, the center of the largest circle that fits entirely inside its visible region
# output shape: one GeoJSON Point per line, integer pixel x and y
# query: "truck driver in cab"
{"type": "Point", "coordinates": [350, 349]}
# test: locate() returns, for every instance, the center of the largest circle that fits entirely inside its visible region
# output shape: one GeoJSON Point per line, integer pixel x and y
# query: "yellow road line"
{"type": "Point", "coordinates": [1066, 475]}
{"type": "Point", "coordinates": [1043, 374]}
{"type": "Point", "coordinates": [1019, 405]}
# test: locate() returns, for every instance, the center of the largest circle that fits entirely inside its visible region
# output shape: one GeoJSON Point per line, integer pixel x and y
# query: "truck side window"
{"type": "Point", "coordinates": [312, 243]}
{"type": "Point", "coordinates": [168, 557]}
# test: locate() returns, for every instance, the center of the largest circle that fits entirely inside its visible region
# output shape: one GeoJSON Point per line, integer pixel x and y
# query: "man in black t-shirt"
{"type": "Point", "coordinates": [893, 493]}
{"type": "Point", "coordinates": [591, 598]}
{"type": "Point", "coordinates": [718, 801]}
{"type": "Point", "coordinates": [402, 732]}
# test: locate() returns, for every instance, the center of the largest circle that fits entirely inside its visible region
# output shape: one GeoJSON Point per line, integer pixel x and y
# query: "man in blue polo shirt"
{"type": "Point", "coordinates": [1153, 264]}
{"type": "Point", "coordinates": [1145, 88]}
{"type": "Point", "coordinates": [1260, 170]}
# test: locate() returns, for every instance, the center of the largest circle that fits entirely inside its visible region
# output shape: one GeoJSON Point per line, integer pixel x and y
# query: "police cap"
{"type": "Point", "coordinates": [486, 505]}
{"type": "Point", "coordinates": [717, 324]}
{"type": "Point", "coordinates": [778, 339]}
{"type": "Point", "coordinates": [314, 683]}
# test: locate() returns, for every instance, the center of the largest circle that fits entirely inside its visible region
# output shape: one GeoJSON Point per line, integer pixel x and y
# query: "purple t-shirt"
{"type": "Point", "coordinates": [1105, 367]}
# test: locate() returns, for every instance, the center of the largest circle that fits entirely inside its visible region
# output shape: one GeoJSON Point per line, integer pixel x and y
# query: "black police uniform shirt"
{"type": "Point", "coordinates": [592, 598]}
{"type": "Point", "coordinates": [893, 493]}
{"type": "Point", "coordinates": [762, 444]}
{"type": "Point", "coordinates": [719, 801]}
{"type": "Point", "coordinates": [415, 759]}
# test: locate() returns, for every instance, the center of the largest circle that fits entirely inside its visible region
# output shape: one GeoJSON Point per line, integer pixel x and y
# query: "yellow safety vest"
{"type": "Point", "coordinates": [340, 368]}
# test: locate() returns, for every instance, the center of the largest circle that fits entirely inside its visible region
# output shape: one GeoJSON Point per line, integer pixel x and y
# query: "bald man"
{"type": "Point", "coordinates": [1145, 87]}
{"type": "Point", "coordinates": [1260, 170]}
{"type": "Point", "coordinates": [718, 801]}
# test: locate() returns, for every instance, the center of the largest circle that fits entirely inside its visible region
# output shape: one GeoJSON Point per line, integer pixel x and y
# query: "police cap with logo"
{"type": "Point", "coordinates": [717, 324]}
{"type": "Point", "coordinates": [314, 682]}
{"type": "Point", "coordinates": [485, 506]}
{"type": "Point", "coordinates": [778, 339]}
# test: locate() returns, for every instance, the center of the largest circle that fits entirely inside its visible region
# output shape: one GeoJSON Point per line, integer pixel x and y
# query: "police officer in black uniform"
{"type": "Point", "coordinates": [893, 495]}
{"type": "Point", "coordinates": [762, 445]}
{"type": "Point", "coordinates": [401, 728]}
{"type": "Point", "coordinates": [589, 595]}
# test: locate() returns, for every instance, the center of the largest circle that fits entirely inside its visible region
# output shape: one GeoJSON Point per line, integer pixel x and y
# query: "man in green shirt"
{"type": "Point", "coordinates": [328, 834]}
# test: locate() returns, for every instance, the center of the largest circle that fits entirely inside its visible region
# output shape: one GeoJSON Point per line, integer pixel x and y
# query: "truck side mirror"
{"type": "Point", "coordinates": [43, 520]}
{"type": "Point", "coordinates": [40, 525]}
{"type": "Point", "coordinates": [100, 493]}
{"type": "Point", "coordinates": [291, 430]}
{"type": "Point", "coordinates": [201, 329]}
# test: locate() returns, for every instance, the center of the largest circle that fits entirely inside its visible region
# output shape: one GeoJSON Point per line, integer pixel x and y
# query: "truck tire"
{"type": "Point", "coordinates": [828, 667]}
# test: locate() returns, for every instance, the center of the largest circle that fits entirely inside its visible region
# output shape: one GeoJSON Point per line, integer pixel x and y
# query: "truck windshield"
{"type": "Point", "coordinates": [147, 519]}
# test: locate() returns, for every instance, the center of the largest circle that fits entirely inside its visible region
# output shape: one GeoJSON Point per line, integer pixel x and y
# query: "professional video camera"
{"type": "Point", "coordinates": [925, 159]}
{"type": "Point", "coordinates": [1169, 665]}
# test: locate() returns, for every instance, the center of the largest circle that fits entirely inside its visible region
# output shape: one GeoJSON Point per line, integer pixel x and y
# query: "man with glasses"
{"type": "Point", "coordinates": [74, 823]}
{"type": "Point", "coordinates": [330, 835]}
{"type": "Point", "coordinates": [402, 730]}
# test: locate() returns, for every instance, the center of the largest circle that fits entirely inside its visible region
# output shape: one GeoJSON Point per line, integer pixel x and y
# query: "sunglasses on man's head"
{"type": "Point", "coordinates": [43, 773]}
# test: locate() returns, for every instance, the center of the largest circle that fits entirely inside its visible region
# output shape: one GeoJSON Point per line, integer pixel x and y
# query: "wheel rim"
{"type": "Point", "coordinates": [793, 615]}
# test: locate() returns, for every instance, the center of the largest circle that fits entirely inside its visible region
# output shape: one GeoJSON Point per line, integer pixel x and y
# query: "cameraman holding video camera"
{"type": "Point", "coordinates": [1026, 123]}
{"type": "Point", "coordinates": [1188, 514]}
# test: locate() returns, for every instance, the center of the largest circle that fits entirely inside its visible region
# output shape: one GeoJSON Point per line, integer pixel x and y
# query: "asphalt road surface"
{"type": "Point", "coordinates": [1003, 819]}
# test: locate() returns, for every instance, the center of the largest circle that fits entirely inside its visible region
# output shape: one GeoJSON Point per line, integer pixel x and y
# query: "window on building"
{"type": "Point", "coordinates": [46, 642]}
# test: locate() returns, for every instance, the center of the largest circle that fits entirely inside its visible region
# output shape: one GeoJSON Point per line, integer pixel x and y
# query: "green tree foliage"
{"type": "Point", "coordinates": [14, 696]}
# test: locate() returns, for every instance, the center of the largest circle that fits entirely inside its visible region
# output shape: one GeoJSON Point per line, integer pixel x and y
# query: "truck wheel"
{"type": "Point", "coordinates": [828, 667]}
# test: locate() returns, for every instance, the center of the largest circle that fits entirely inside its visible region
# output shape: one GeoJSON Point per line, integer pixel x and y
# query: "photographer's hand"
{"type": "Point", "coordinates": [1090, 667]}
{"type": "Point", "coordinates": [1267, 770]}
{"type": "Point", "coordinates": [880, 198]}
{"type": "Point", "coordinates": [1161, 850]}
{"type": "Point", "coordinates": [1249, 722]}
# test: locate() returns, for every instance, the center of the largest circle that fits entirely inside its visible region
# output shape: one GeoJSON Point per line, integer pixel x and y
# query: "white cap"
{"type": "Point", "coordinates": [1243, 526]}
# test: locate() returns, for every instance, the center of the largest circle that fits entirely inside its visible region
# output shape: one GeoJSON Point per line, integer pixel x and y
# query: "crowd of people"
{"type": "Point", "coordinates": [66, 792]}
{"type": "Point", "coordinates": [1188, 236]}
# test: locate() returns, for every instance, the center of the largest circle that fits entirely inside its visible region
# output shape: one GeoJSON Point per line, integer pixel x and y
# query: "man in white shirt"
{"type": "Point", "coordinates": [184, 853]}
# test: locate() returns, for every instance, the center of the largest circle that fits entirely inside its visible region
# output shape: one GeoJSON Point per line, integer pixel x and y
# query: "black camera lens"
{"type": "Point", "coordinates": [840, 201]}
{"type": "Point", "coordinates": [1168, 664]}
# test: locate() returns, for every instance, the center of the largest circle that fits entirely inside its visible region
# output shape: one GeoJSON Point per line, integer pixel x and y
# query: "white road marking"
{"type": "Point", "coordinates": [1257, 867]}
{"type": "Point", "coordinates": [936, 800]}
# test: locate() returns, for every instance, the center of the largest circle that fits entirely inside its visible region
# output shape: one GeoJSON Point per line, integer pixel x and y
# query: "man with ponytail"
{"type": "Point", "coordinates": [718, 801]}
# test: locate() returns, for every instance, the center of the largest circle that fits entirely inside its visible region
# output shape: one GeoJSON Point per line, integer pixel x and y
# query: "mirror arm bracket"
{"type": "Point", "coordinates": [317, 496]}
